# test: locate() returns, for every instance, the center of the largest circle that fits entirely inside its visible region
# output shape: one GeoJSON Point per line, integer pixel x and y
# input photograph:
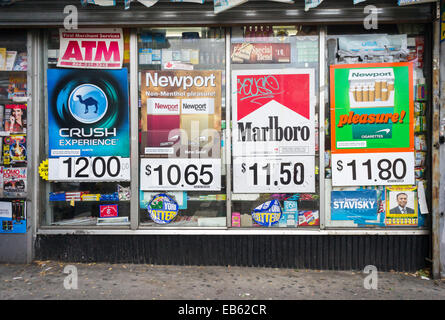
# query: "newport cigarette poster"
{"type": "Point", "coordinates": [88, 113]}
{"type": "Point", "coordinates": [181, 114]}
{"type": "Point", "coordinates": [273, 112]}
{"type": "Point", "coordinates": [372, 108]}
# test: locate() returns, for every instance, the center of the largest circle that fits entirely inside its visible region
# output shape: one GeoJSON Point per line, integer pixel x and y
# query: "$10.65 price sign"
{"type": "Point", "coordinates": [284, 174]}
{"type": "Point", "coordinates": [89, 169]}
{"type": "Point", "coordinates": [181, 174]}
{"type": "Point", "coordinates": [373, 169]}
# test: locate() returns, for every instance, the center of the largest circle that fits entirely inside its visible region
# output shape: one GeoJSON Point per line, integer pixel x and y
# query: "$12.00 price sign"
{"type": "Point", "coordinates": [89, 169]}
{"type": "Point", "coordinates": [181, 174]}
{"type": "Point", "coordinates": [284, 174]}
{"type": "Point", "coordinates": [373, 169]}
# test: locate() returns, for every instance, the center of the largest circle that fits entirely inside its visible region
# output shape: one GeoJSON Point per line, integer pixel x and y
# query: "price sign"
{"type": "Point", "coordinates": [89, 169]}
{"type": "Point", "coordinates": [181, 174]}
{"type": "Point", "coordinates": [283, 174]}
{"type": "Point", "coordinates": [373, 169]}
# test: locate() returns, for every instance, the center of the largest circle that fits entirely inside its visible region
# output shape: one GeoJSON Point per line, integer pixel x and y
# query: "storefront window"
{"type": "Point", "coordinates": [376, 148]}
{"type": "Point", "coordinates": [182, 127]}
{"type": "Point", "coordinates": [13, 131]}
{"type": "Point", "coordinates": [250, 163]}
{"type": "Point", "coordinates": [87, 129]}
{"type": "Point", "coordinates": [275, 143]}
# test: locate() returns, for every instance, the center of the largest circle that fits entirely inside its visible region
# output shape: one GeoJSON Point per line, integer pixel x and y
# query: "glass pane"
{"type": "Point", "coordinates": [14, 139]}
{"type": "Point", "coordinates": [102, 197]}
{"type": "Point", "coordinates": [376, 73]}
{"type": "Point", "coordinates": [182, 123]}
{"type": "Point", "coordinates": [275, 144]}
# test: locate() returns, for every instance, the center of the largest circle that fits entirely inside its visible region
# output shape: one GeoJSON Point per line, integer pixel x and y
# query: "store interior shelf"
{"type": "Point", "coordinates": [92, 202]}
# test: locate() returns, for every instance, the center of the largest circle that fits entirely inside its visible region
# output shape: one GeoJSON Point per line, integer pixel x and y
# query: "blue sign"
{"type": "Point", "coordinates": [360, 206]}
{"type": "Point", "coordinates": [267, 214]}
{"type": "Point", "coordinates": [162, 209]}
{"type": "Point", "coordinates": [88, 113]}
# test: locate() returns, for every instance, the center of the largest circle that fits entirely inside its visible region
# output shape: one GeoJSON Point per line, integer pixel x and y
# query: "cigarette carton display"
{"type": "Point", "coordinates": [370, 88]}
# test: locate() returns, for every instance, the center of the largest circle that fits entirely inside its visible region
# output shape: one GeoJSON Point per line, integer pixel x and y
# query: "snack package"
{"type": "Point", "coordinates": [308, 218]}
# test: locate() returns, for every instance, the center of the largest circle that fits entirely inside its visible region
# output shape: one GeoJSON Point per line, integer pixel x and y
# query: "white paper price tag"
{"type": "Point", "coordinates": [284, 174]}
{"type": "Point", "coordinates": [89, 169]}
{"type": "Point", "coordinates": [373, 169]}
{"type": "Point", "coordinates": [180, 174]}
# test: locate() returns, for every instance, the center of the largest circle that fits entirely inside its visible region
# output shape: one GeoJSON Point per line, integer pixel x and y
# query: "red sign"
{"type": "Point", "coordinates": [98, 49]}
{"type": "Point", "coordinates": [108, 211]}
{"type": "Point", "coordinates": [290, 90]}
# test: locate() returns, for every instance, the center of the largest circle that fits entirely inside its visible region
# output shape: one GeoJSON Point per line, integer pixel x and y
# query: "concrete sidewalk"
{"type": "Point", "coordinates": [45, 280]}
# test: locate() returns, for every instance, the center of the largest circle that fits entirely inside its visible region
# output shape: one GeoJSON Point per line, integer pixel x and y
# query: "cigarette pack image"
{"type": "Point", "coordinates": [163, 116]}
{"type": "Point", "coordinates": [371, 93]}
{"type": "Point", "coordinates": [370, 88]}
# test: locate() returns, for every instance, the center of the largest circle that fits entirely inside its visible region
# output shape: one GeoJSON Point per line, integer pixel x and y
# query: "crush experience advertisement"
{"type": "Point", "coordinates": [88, 113]}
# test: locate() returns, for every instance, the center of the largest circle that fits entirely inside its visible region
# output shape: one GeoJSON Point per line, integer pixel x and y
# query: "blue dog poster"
{"type": "Point", "coordinates": [88, 113]}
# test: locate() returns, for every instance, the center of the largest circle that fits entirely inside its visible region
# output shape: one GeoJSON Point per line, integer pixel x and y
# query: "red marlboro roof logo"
{"type": "Point", "coordinates": [290, 90]}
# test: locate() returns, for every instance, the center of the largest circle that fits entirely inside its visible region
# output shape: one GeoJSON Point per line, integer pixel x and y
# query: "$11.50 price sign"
{"type": "Point", "coordinates": [181, 174]}
{"type": "Point", "coordinates": [373, 169]}
{"type": "Point", "coordinates": [89, 169]}
{"type": "Point", "coordinates": [284, 174]}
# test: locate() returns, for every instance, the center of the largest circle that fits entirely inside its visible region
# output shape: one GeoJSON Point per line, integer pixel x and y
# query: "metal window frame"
{"type": "Point", "coordinates": [135, 227]}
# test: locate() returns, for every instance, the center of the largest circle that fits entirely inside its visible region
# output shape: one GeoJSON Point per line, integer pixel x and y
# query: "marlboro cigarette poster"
{"type": "Point", "coordinates": [372, 108]}
{"type": "Point", "coordinates": [273, 112]}
{"type": "Point", "coordinates": [181, 114]}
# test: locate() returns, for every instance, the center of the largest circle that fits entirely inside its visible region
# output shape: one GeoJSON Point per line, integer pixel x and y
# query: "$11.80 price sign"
{"type": "Point", "coordinates": [89, 169]}
{"type": "Point", "coordinates": [373, 169]}
{"type": "Point", "coordinates": [181, 174]}
{"type": "Point", "coordinates": [284, 174]}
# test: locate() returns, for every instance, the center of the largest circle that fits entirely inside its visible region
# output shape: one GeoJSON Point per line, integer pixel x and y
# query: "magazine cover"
{"type": "Point", "coordinates": [14, 182]}
{"type": "Point", "coordinates": [17, 87]}
{"type": "Point", "coordinates": [21, 62]}
{"type": "Point", "coordinates": [2, 58]}
{"type": "Point", "coordinates": [14, 149]}
{"type": "Point", "coordinates": [1, 182]}
{"type": "Point", "coordinates": [10, 59]}
{"type": "Point", "coordinates": [15, 118]}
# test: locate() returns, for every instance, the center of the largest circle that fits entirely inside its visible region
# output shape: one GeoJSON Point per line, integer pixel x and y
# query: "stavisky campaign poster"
{"type": "Point", "coordinates": [88, 114]}
{"type": "Point", "coordinates": [91, 48]}
{"type": "Point", "coordinates": [372, 108]}
{"type": "Point", "coordinates": [273, 112]}
{"type": "Point", "coordinates": [181, 113]}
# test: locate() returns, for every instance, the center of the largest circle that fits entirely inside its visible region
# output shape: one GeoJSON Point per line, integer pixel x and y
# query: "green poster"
{"type": "Point", "coordinates": [372, 108]}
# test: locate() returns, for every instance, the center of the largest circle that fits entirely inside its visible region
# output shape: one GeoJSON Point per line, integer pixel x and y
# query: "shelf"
{"type": "Point", "coordinates": [92, 202]}
{"type": "Point", "coordinates": [9, 101]}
